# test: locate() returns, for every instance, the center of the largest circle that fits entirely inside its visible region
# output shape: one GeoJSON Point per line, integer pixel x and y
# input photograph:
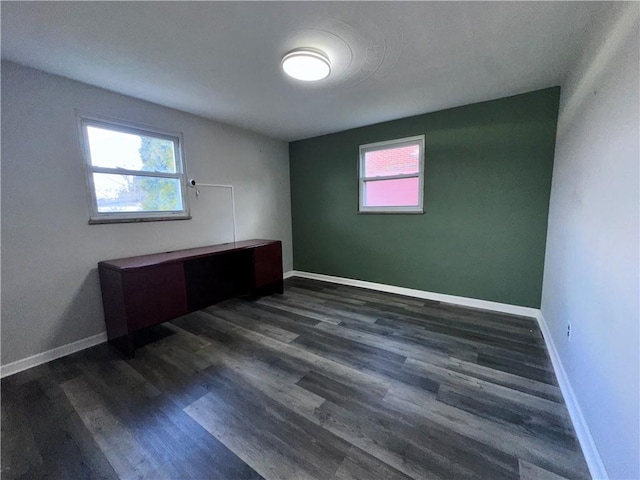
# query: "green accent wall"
{"type": "Point", "coordinates": [487, 182]}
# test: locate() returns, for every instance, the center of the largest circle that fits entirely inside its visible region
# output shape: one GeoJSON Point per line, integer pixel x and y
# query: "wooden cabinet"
{"type": "Point", "coordinates": [138, 292]}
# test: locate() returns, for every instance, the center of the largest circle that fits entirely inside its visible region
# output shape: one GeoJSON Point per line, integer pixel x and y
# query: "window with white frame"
{"type": "Point", "coordinates": [392, 176]}
{"type": "Point", "coordinates": [133, 173]}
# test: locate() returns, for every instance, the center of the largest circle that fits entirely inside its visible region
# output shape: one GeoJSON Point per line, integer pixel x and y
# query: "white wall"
{"type": "Point", "coordinates": [591, 267]}
{"type": "Point", "coordinates": [50, 294]}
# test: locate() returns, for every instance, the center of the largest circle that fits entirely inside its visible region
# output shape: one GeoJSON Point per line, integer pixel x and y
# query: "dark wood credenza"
{"type": "Point", "coordinates": [138, 292]}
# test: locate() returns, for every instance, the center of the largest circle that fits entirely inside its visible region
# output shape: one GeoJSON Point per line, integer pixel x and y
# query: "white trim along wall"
{"type": "Point", "coordinates": [596, 466]}
{"type": "Point", "coordinates": [592, 456]}
{"type": "Point", "coordinates": [49, 355]}
{"type": "Point", "coordinates": [410, 292]}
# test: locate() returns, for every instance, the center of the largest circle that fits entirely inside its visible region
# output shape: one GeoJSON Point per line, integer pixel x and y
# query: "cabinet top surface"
{"type": "Point", "coordinates": [150, 260]}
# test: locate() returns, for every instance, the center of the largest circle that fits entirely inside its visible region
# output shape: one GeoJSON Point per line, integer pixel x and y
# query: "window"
{"type": "Point", "coordinates": [392, 176]}
{"type": "Point", "coordinates": [133, 174]}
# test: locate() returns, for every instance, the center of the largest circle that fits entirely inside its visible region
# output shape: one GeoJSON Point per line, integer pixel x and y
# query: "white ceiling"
{"type": "Point", "coordinates": [221, 60]}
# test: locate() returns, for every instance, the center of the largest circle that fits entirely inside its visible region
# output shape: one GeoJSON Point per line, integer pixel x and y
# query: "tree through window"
{"type": "Point", "coordinates": [133, 174]}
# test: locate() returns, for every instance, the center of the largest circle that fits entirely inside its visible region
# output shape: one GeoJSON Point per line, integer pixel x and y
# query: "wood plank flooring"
{"type": "Point", "coordinates": [323, 382]}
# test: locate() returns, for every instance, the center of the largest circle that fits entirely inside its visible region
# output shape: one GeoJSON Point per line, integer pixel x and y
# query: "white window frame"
{"type": "Point", "coordinates": [117, 125]}
{"type": "Point", "coordinates": [400, 142]}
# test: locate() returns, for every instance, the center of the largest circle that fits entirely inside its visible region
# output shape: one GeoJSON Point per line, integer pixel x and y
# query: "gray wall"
{"type": "Point", "coordinates": [591, 268]}
{"type": "Point", "coordinates": [50, 288]}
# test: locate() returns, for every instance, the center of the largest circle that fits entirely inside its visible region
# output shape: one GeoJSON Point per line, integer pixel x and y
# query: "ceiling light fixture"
{"type": "Point", "coordinates": [306, 64]}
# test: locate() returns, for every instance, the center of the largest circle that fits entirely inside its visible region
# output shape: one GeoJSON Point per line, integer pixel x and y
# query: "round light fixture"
{"type": "Point", "coordinates": [306, 64]}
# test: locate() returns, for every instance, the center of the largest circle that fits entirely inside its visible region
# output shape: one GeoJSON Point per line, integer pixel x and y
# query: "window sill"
{"type": "Point", "coordinates": [389, 212]}
{"type": "Point", "coordinates": [99, 221]}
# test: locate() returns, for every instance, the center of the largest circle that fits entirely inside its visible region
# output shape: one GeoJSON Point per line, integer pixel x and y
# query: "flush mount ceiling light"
{"type": "Point", "coordinates": [306, 64]}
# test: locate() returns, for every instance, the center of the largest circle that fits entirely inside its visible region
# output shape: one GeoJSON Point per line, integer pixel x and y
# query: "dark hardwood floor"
{"type": "Point", "coordinates": [325, 381]}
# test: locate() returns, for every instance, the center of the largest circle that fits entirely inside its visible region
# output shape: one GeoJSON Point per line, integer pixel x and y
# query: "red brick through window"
{"type": "Point", "coordinates": [389, 162]}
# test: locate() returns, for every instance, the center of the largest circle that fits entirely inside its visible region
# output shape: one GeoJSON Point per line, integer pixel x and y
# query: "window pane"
{"type": "Point", "coordinates": [392, 161]}
{"type": "Point", "coordinates": [401, 192]}
{"type": "Point", "coordinates": [134, 193]}
{"type": "Point", "coordinates": [113, 149]}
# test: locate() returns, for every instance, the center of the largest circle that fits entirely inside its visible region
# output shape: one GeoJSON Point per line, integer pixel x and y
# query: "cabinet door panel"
{"type": "Point", "coordinates": [268, 264]}
{"type": "Point", "coordinates": [155, 295]}
{"type": "Point", "coordinates": [167, 293]}
{"type": "Point", "coordinates": [136, 299]}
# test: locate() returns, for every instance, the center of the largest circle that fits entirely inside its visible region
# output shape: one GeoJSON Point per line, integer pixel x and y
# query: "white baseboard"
{"type": "Point", "coordinates": [592, 456]}
{"type": "Point", "coordinates": [44, 357]}
{"type": "Point", "coordinates": [589, 449]}
{"type": "Point", "coordinates": [410, 292]}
